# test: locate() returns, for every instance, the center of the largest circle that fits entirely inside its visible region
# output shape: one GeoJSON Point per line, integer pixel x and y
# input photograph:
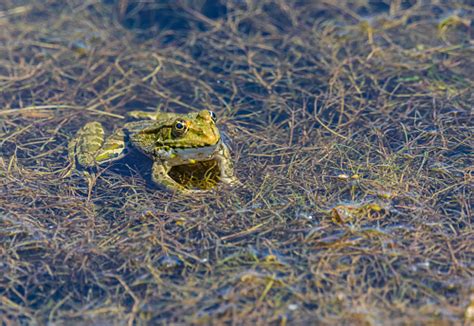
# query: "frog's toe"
{"type": "Point", "coordinates": [233, 181]}
{"type": "Point", "coordinates": [191, 192]}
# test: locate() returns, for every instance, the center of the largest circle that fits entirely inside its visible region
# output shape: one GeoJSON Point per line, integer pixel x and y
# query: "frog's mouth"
{"type": "Point", "coordinates": [184, 155]}
{"type": "Point", "coordinates": [203, 175]}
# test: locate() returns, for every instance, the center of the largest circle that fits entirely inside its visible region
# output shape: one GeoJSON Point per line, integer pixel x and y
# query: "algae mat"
{"type": "Point", "coordinates": [350, 124]}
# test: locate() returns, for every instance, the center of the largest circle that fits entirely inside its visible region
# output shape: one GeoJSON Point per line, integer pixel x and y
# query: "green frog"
{"type": "Point", "coordinates": [169, 139]}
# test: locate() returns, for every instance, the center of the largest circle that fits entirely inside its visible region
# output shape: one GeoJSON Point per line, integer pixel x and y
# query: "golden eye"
{"type": "Point", "coordinates": [213, 116]}
{"type": "Point", "coordinates": [180, 128]}
{"type": "Point", "coordinates": [179, 125]}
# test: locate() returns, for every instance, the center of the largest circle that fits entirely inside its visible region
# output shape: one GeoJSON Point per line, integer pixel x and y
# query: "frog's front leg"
{"type": "Point", "coordinates": [90, 149]}
{"type": "Point", "coordinates": [226, 166]}
{"type": "Point", "coordinates": [160, 176]}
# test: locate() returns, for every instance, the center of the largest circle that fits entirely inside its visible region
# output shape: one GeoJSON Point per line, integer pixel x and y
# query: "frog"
{"type": "Point", "coordinates": [168, 139]}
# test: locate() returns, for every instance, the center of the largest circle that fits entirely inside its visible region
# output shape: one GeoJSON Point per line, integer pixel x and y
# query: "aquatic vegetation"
{"type": "Point", "coordinates": [350, 127]}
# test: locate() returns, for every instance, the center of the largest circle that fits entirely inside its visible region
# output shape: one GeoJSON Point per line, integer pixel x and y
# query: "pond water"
{"type": "Point", "coordinates": [350, 125]}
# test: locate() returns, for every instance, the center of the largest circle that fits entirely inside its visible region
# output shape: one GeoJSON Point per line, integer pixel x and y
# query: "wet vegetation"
{"type": "Point", "coordinates": [351, 129]}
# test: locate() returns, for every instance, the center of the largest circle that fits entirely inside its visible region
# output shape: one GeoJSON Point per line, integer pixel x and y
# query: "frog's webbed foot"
{"type": "Point", "coordinates": [137, 114]}
{"type": "Point", "coordinates": [226, 167]}
{"type": "Point", "coordinates": [89, 148]}
{"type": "Point", "coordinates": [142, 115]}
{"type": "Point", "coordinates": [160, 176]}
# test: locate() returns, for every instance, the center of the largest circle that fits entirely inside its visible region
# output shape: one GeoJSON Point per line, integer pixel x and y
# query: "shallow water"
{"type": "Point", "coordinates": [351, 128]}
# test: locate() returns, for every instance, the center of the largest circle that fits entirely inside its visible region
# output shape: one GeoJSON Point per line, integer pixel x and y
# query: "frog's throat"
{"type": "Point", "coordinates": [171, 143]}
{"type": "Point", "coordinates": [188, 154]}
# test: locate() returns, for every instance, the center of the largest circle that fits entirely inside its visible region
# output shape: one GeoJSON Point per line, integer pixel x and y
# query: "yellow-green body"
{"type": "Point", "coordinates": [169, 139]}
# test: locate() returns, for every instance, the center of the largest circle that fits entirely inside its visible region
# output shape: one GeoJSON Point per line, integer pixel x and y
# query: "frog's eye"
{"type": "Point", "coordinates": [180, 128]}
{"type": "Point", "coordinates": [213, 116]}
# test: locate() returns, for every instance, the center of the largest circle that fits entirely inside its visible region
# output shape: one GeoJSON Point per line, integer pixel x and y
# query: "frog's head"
{"type": "Point", "coordinates": [192, 130]}
{"type": "Point", "coordinates": [179, 132]}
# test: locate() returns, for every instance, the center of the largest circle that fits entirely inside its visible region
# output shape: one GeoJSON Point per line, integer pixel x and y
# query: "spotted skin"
{"type": "Point", "coordinates": [169, 139]}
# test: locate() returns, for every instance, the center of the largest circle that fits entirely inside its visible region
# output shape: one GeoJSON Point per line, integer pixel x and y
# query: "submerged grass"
{"type": "Point", "coordinates": [351, 128]}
